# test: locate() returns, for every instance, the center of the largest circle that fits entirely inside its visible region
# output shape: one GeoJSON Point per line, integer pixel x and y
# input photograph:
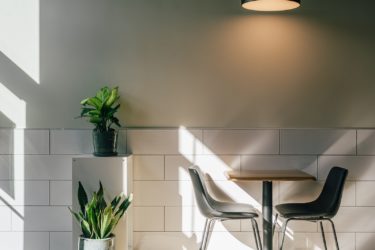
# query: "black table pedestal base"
{"type": "Point", "coordinates": [267, 215]}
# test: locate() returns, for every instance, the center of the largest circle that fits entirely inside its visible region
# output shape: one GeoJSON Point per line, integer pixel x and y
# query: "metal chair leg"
{"type": "Point", "coordinates": [323, 236]}
{"type": "Point", "coordinates": [334, 233]}
{"type": "Point", "coordinates": [283, 233]}
{"type": "Point", "coordinates": [258, 242]}
{"type": "Point", "coordinates": [274, 224]}
{"type": "Point", "coordinates": [209, 231]}
{"type": "Point", "coordinates": [204, 236]}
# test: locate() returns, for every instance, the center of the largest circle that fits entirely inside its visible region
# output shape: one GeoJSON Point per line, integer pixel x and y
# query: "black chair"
{"type": "Point", "coordinates": [215, 210]}
{"type": "Point", "coordinates": [324, 208]}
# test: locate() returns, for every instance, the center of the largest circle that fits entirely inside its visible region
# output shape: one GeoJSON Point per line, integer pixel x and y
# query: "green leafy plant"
{"type": "Point", "coordinates": [100, 109]}
{"type": "Point", "coordinates": [98, 218]}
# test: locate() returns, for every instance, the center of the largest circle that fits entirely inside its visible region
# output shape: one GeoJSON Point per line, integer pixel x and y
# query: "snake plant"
{"type": "Point", "coordinates": [100, 109]}
{"type": "Point", "coordinates": [98, 218]}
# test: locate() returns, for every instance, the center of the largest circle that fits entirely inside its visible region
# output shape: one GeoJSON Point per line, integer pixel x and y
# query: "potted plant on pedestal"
{"type": "Point", "coordinates": [100, 110]}
{"type": "Point", "coordinates": [98, 219]}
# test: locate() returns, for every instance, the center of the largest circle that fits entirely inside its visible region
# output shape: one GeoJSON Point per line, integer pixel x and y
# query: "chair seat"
{"type": "Point", "coordinates": [301, 210]}
{"type": "Point", "coordinates": [234, 210]}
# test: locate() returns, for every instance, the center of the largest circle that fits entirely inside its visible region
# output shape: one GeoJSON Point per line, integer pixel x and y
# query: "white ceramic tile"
{"type": "Point", "coordinates": [306, 191]}
{"type": "Point", "coordinates": [239, 141]}
{"type": "Point", "coordinates": [43, 167]}
{"type": "Point", "coordinates": [163, 193]}
{"type": "Point", "coordinates": [301, 191]}
{"type": "Point", "coordinates": [24, 241]}
{"type": "Point", "coordinates": [366, 141]}
{"type": "Point", "coordinates": [41, 218]}
{"type": "Point", "coordinates": [180, 193]}
{"type": "Point", "coordinates": [24, 192]}
{"type": "Point", "coordinates": [189, 219]}
{"type": "Point", "coordinates": [164, 241]}
{"type": "Point", "coordinates": [246, 225]}
{"type": "Point", "coordinates": [61, 240]}
{"type": "Point", "coordinates": [71, 142]}
{"type": "Point", "coordinates": [305, 163]}
{"type": "Point", "coordinates": [355, 219]}
{"type": "Point", "coordinates": [5, 218]}
{"type": "Point", "coordinates": [365, 195]}
{"type": "Point", "coordinates": [121, 141]}
{"type": "Point", "coordinates": [61, 193]}
{"type": "Point", "coordinates": [36, 167]}
{"type": "Point", "coordinates": [75, 142]}
{"type": "Point", "coordinates": [313, 241]}
{"type": "Point", "coordinates": [249, 192]}
{"type": "Point", "coordinates": [360, 168]}
{"type": "Point", "coordinates": [24, 141]}
{"type": "Point", "coordinates": [318, 141]}
{"type": "Point", "coordinates": [149, 219]}
{"type": "Point", "coordinates": [365, 241]}
{"type": "Point", "coordinates": [7, 141]}
{"type": "Point", "coordinates": [183, 240]}
{"type": "Point", "coordinates": [176, 167]}
{"type": "Point", "coordinates": [148, 167]}
{"type": "Point", "coordinates": [164, 141]}
{"type": "Point", "coordinates": [298, 226]}
{"type": "Point", "coordinates": [6, 167]}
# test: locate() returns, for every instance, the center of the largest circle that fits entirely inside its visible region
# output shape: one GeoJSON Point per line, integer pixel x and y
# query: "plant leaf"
{"type": "Point", "coordinates": [82, 197]}
{"type": "Point", "coordinates": [76, 215]}
{"type": "Point", "coordinates": [84, 102]}
{"type": "Point", "coordinates": [124, 205]}
{"type": "Point", "coordinates": [116, 121]}
{"type": "Point", "coordinates": [85, 226]}
{"type": "Point", "coordinates": [106, 220]}
{"type": "Point", "coordinates": [116, 201]}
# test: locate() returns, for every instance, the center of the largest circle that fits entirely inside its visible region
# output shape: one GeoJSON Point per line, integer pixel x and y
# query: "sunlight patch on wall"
{"type": "Point", "coordinates": [19, 39]}
{"type": "Point", "coordinates": [216, 167]}
{"type": "Point", "coordinates": [15, 110]}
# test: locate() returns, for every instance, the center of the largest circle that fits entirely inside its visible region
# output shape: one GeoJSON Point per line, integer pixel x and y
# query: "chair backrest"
{"type": "Point", "coordinates": [330, 197]}
{"type": "Point", "coordinates": [200, 191]}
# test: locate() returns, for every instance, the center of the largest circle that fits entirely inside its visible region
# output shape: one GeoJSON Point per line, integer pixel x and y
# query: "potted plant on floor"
{"type": "Point", "coordinates": [98, 219]}
{"type": "Point", "coordinates": [100, 110]}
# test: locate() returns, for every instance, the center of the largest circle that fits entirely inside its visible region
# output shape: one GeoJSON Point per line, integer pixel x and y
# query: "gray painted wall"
{"type": "Point", "coordinates": [202, 63]}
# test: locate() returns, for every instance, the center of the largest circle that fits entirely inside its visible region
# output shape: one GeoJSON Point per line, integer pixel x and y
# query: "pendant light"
{"type": "Point", "coordinates": [270, 5]}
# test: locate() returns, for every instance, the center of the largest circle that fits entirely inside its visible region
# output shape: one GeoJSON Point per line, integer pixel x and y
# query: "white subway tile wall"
{"type": "Point", "coordinates": [35, 184]}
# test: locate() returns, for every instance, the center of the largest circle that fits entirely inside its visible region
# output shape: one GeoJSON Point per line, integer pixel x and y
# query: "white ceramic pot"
{"type": "Point", "coordinates": [93, 244]}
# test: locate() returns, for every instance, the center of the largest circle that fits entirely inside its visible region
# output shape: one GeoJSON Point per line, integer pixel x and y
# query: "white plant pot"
{"type": "Point", "coordinates": [93, 244]}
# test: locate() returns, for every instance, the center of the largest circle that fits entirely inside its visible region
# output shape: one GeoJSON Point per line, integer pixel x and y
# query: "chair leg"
{"type": "Point", "coordinates": [204, 236]}
{"type": "Point", "coordinates": [208, 235]}
{"type": "Point", "coordinates": [274, 224]}
{"type": "Point", "coordinates": [258, 242]}
{"type": "Point", "coordinates": [323, 236]}
{"type": "Point", "coordinates": [283, 233]}
{"type": "Point", "coordinates": [334, 234]}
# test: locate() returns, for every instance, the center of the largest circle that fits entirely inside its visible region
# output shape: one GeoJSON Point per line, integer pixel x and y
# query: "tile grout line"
{"type": "Point", "coordinates": [126, 141]}
{"type": "Point", "coordinates": [49, 192]}
{"type": "Point", "coordinates": [164, 166]}
{"type": "Point", "coordinates": [164, 218]}
{"type": "Point", "coordinates": [356, 142]}
{"type": "Point", "coordinates": [317, 167]}
{"type": "Point", "coordinates": [279, 141]}
{"type": "Point", "coordinates": [49, 141]}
